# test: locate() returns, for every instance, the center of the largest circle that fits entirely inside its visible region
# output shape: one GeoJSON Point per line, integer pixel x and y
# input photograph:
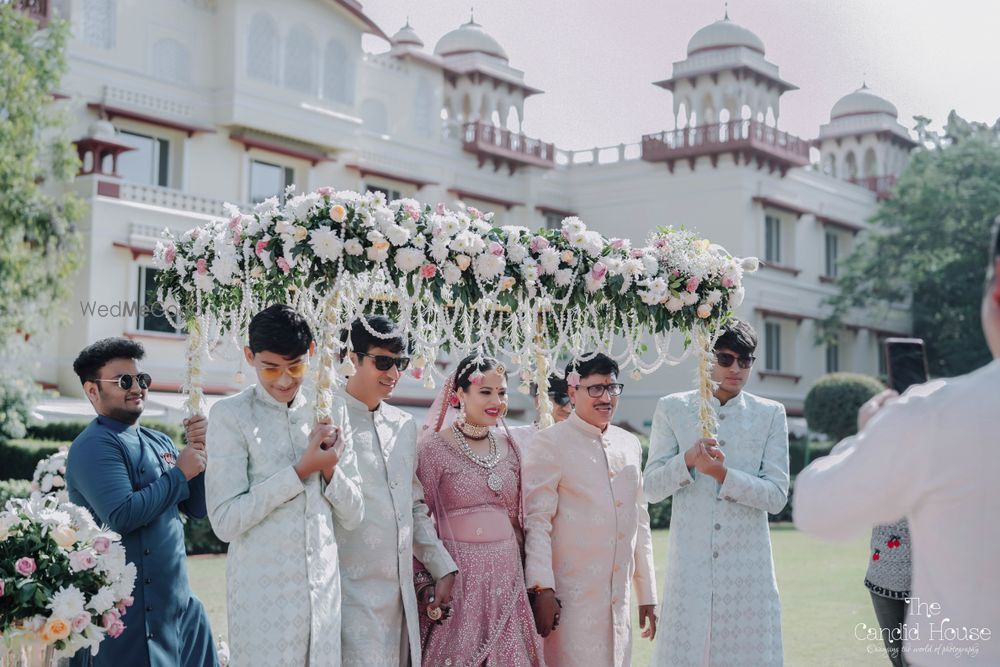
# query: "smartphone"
{"type": "Point", "coordinates": [906, 362]}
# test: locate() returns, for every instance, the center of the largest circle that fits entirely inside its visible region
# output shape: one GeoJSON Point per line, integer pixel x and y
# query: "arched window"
{"type": "Point", "coordinates": [513, 121]}
{"type": "Point", "coordinates": [262, 49]}
{"type": "Point", "coordinates": [338, 73]}
{"type": "Point", "coordinates": [171, 61]}
{"type": "Point", "coordinates": [871, 163]}
{"type": "Point", "coordinates": [423, 108]}
{"type": "Point", "coordinates": [830, 165]}
{"type": "Point", "coordinates": [99, 23]}
{"type": "Point", "coordinates": [300, 61]}
{"type": "Point", "coordinates": [851, 166]}
{"type": "Point", "coordinates": [375, 116]}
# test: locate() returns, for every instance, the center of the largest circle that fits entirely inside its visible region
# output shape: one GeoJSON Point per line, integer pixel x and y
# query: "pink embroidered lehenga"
{"type": "Point", "coordinates": [491, 621]}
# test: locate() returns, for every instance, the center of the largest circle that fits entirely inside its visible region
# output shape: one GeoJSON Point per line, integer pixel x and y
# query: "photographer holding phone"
{"type": "Point", "coordinates": [933, 457]}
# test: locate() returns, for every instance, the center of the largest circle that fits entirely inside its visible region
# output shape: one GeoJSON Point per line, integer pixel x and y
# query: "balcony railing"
{"type": "Point", "coordinates": [36, 9]}
{"type": "Point", "coordinates": [751, 139]}
{"type": "Point", "coordinates": [492, 143]}
{"type": "Point", "coordinates": [881, 185]}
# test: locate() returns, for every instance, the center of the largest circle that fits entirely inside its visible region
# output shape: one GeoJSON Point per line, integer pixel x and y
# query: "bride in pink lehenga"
{"type": "Point", "coordinates": [471, 474]}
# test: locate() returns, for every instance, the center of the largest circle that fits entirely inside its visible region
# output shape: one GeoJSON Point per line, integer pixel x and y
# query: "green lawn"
{"type": "Point", "coordinates": [822, 599]}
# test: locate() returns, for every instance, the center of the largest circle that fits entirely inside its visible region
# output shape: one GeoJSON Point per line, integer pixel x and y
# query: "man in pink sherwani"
{"type": "Point", "coordinates": [586, 527]}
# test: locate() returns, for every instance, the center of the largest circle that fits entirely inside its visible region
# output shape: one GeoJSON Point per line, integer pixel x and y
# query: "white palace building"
{"type": "Point", "coordinates": [178, 106]}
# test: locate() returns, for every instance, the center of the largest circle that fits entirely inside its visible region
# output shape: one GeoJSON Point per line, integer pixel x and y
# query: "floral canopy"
{"type": "Point", "coordinates": [452, 280]}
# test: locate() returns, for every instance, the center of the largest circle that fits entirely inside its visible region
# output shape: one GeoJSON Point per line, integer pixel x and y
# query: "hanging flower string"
{"type": "Point", "coordinates": [451, 278]}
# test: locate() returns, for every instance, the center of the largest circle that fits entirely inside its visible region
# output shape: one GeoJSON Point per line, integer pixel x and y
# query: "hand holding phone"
{"type": "Point", "coordinates": [906, 363]}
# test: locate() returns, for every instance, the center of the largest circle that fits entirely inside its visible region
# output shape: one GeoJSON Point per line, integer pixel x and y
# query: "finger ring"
{"type": "Point", "coordinates": [434, 613]}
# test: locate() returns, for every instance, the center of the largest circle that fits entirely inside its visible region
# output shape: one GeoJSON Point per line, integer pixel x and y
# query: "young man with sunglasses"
{"type": "Point", "coordinates": [721, 603]}
{"type": "Point", "coordinates": [380, 626]}
{"type": "Point", "coordinates": [277, 479]}
{"type": "Point", "coordinates": [587, 538]}
{"type": "Point", "coordinates": [135, 481]}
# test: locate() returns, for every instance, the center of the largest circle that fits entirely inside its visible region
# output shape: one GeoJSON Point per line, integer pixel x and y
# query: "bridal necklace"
{"type": "Point", "coordinates": [493, 480]}
{"type": "Point", "coordinates": [473, 431]}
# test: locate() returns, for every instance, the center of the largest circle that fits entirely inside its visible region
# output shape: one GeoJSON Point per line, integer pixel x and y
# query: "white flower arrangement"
{"type": "Point", "coordinates": [64, 581]}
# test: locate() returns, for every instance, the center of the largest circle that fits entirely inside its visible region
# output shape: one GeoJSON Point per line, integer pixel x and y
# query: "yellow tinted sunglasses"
{"type": "Point", "coordinates": [272, 373]}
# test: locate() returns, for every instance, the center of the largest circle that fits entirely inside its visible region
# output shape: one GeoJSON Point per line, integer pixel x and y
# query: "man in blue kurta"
{"type": "Point", "coordinates": [134, 480]}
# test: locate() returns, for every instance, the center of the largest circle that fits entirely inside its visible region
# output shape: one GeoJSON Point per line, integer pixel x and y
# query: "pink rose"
{"type": "Point", "coordinates": [81, 621]}
{"type": "Point", "coordinates": [660, 243]}
{"type": "Point", "coordinates": [414, 213]}
{"type": "Point", "coordinates": [474, 212]}
{"type": "Point", "coordinates": [81, 560]}
{"type": "Point", "coordinates": [692, 284]}
{"type": "Point", "coordinates": [637, 253]}
{"type": "Point", "coordinates": [25, 566]}
{"type": "Point", "coordinates": [428, 271]}
{"type": "Point", "coordinates": [102, 544]}
{"type": "Point", "coordinates": [283, 265]}
{"type": "Point", "coordinates": [538, 244]}
{"type": "Point", "coordinates": [325, 191]}
{"type": "Point", "coordinates": [202, 266]}
{"type": "Point", "coordinates": [195, 233]}
{"type": "Point", "coordinates": [417, 373]}
{"type": "Point", "coordinates": [114, 627]}
{"type": "Point", "coordinates": [439, 209]}
{"type": "Point", "coordinates": [573, 379]}
{"type": "Point", "coordinates": [495, 249]}
{"type": "Point", "coordinates": [617, 244]}
{"type": "Point", "coordinates": [728, 281]}
{"type": "Point", "coordinates": [123, 604]}
{"type": "Point", "coordinates": [261, 247]}
{"type": "Point", "coordinates": [598, 271]}
{"type": "Point", "coordinates": [170, 254]}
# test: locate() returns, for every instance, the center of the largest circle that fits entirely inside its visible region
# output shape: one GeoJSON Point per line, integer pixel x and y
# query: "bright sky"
{"type": "Point", "coordinates": [596, 61]}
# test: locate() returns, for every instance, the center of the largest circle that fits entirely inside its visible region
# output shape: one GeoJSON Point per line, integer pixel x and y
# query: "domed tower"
{"type": "Point", "coordinates": [726, 100]}
{"type": "Point", "coordinates": [482, 86]}
{"type": "Point", "coordinates": [864, 142]}
{"type": "Point", "coordinates": [484, 99]}
{"type": "Point", "coordinates": [406, 38]}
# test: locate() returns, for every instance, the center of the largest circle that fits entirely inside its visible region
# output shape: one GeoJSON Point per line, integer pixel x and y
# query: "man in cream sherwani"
{"type": "Point", "coordinates": [720, 600]}
{"type": "Point", "coordinates": [380, 626]}
{"type": "Point", "coordinates": [587, 538]}
{"type": "Point", "coordinates": [933, 457]}
{"type": "Point", "coordinates": [275, 481]}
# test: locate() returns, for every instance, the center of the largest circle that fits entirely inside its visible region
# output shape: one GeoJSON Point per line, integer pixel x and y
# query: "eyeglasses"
{"type": "Point", "coordinates": [125, 381]}
{"type": "Point", "coordinates": [726, 360]}
{"type": "Point", "coordinates": [384, 363]}
{"type": "Point", "coordinates": [562, 400]}
{"type": "Point", "coordinates": [271, 373]}
{"type": "Point", "coordinates": [597, 390]}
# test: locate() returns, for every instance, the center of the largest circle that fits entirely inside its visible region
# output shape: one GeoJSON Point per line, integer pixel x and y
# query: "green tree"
{"type": "Point", "coordinates": [928, 244]}
{"type": "Point", "coordinates": [831, 406]}
{"type": "Point", "coordinates": [38, 239]}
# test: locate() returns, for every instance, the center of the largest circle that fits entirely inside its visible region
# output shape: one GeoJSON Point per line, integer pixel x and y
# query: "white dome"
{"type": "Point", "coordinates": [862, 101]}
{"type": "Point", "coordinates": [469, 38]}
{"type": "Point", "coordinates": [721, 35]}
{"type": "Point", "coordinates": [101, 129]}
{"type": "Point", "coordinates": [407, 36]}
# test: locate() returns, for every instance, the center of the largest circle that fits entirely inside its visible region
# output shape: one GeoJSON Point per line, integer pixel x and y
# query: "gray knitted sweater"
{"type": "Point", "coordinates": [889, 564]}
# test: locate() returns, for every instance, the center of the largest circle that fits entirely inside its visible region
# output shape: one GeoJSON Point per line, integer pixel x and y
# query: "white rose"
{"type": "Point", "coordinates": [353, 247]}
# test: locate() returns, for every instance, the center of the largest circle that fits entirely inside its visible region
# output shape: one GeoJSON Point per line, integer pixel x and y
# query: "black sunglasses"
{"type": "Point", "coordinates": [384, 363]}
{"type": "Point", "coordinates": [597, 390]}
{"type": "Point", "coordinates": [726, 360]}
{"type": "Point", "coordinates": [125, 381]}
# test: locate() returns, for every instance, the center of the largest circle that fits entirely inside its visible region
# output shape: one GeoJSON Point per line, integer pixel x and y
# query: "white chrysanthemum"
{"type": "Point", "coordinates": [124, 584]}
{"type": "Point", "coordinates": [384, 217]}
{"type": "Point", "coordinates": [326, 244]}
{"type": "Point", "coordinates": [67, 602]}
{"type": "Point", "coordinates": [549, 259]}
{"type": "Point", "coordinates": [650, 265]}
{"type": "Point", "coordinates": [517, 252]}
{"type": "Point", "coordinates": [713, 297]}
{"type": "Point", "coordinates": [439, 249]}
{"type": "Point", "coordinates": [588, 241]}
{"type": "Point", "coordinates": [103, 600]}
{"type": "Point", "coordinates": [564, 277]}
{"type": "Point", "coordinates": [573, 225]}
{"type": "Point", "coordinates": [689, 298]}
{"type": "Point", "coordinates": [353, 247]}
{"type": "Point", "coordinates": [736, 297]}
{"type": "Point", "coordinates": [488, 266]}
{"type": "Point", "coordinates": [674, 304]}
{"type": "Point", "coordinates": [223, 267]}
{"type": "Point", "coordinates": [397, 235]}
{"type": "Point", "coordinates": [451, 273]}
{"type": "Point", "coordinates": [467, 242]}
{"type": "Point", "coordinates": [408, 259]}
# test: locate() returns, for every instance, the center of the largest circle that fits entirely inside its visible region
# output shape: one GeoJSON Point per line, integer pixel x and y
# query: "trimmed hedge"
{"type": "Point", "coordinates": [832, 403]}
{"type": "Point", "coordinates": [68, 430]}
{"type": "Point", "coordinates": [14, 488]}
{"type": "Point", "coordinates": [18, 458]}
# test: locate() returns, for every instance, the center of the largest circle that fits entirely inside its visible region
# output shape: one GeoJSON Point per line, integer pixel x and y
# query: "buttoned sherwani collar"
{"type": "Point", "coordinates": [584, 427]}
{"type": "Point", "coordinates": [737, 402]}
{"type": "Point", "coordinates": [359, 406]}
{"type": "Point", "coordinates": [261, 395]}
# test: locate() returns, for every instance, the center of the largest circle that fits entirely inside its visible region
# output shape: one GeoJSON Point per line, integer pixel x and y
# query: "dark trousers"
{"type": "Point", "coordinates": [891, 614]}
